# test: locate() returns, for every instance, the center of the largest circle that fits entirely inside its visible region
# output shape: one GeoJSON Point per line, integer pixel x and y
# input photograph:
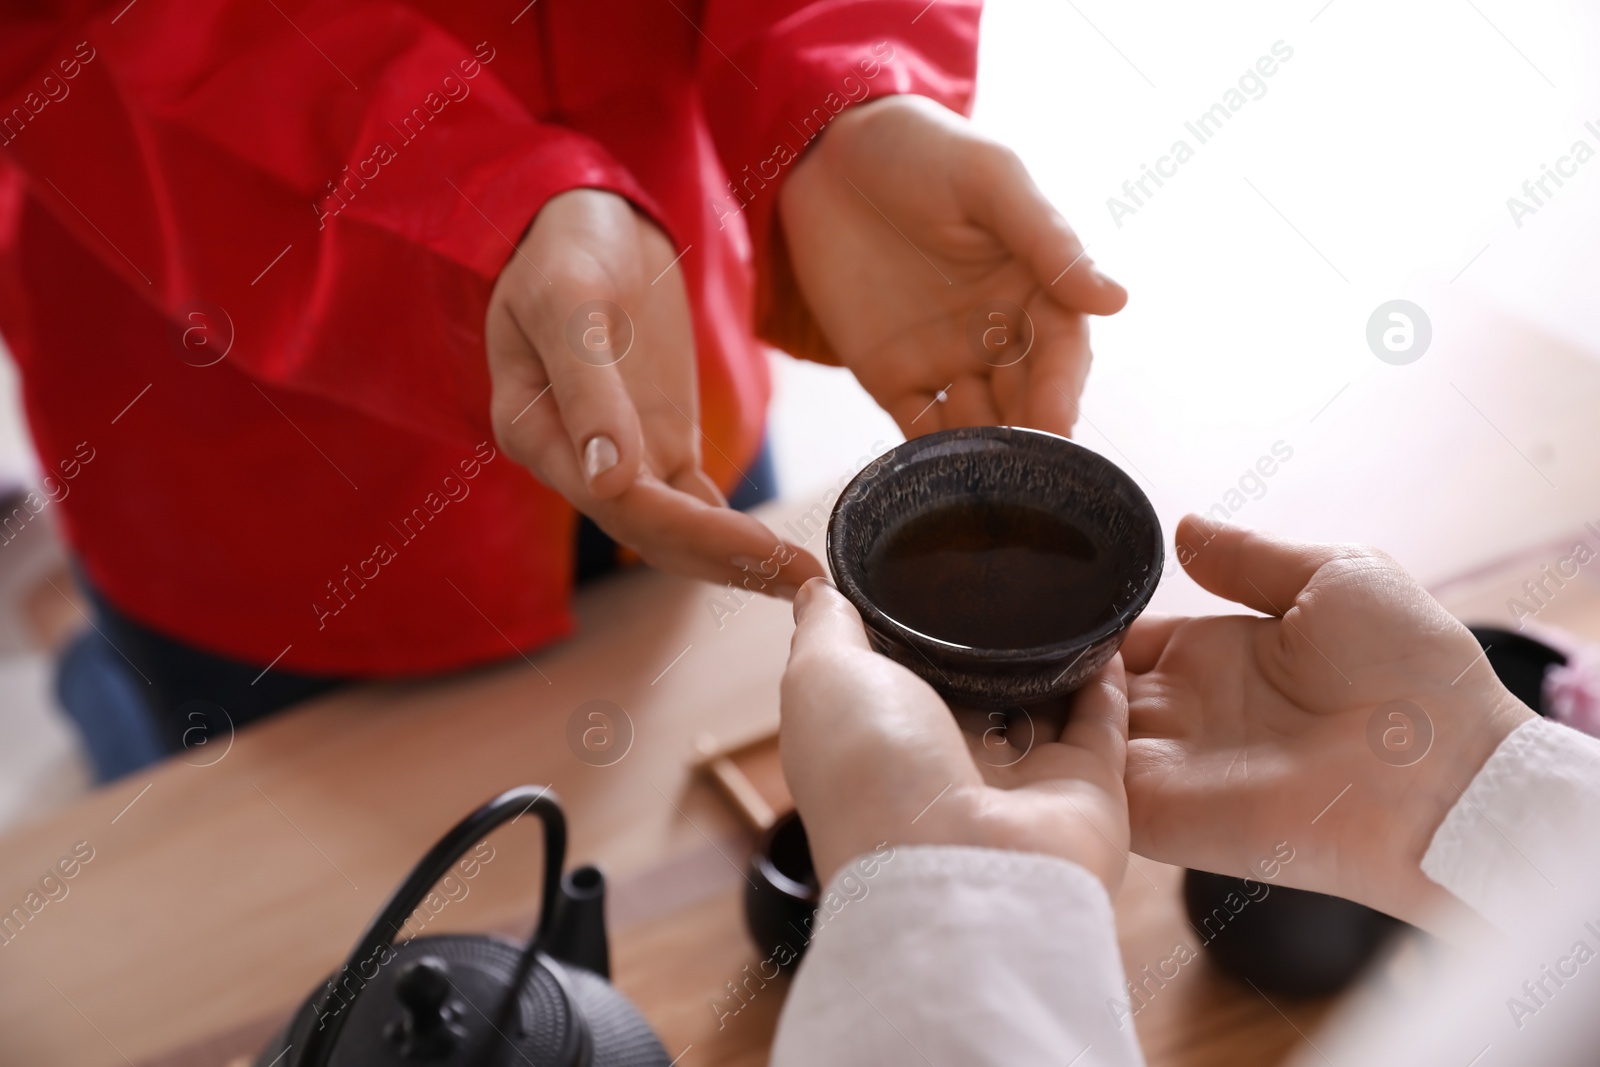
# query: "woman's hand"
{"type": "Point", "coordinates": [1345, 723]}
{"type": "Point", "coordinates": [873, 755]}
{"type": "Point", "coordinates": [910, 235]}
{"type": "Point", "coordinates": [591, 358]}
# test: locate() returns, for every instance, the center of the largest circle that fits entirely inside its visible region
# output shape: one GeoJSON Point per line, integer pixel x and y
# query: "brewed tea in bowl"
{"type": "Point", "coordinates": [1002, 565]}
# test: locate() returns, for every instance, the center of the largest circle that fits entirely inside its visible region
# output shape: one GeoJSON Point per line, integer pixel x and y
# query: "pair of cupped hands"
{"type": "Point", "coordinates": [1336, 730]}
{"type": "Point", "coordinates": [1209, 743]}
{"type": "Point", "coordinates": [900, 222]}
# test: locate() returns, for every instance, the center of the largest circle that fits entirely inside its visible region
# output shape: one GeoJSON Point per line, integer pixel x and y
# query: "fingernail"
{"type": "Point", "coordinates": [599, 456]}
{"type": "Point", "coordinates": [807, 595]}
{"type": "Point", "coordinates": [802, 601]}
{"type": "Point", "coordinates": [746, 563]}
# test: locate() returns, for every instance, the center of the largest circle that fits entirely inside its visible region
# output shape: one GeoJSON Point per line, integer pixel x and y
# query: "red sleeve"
{"type": "Point", "coordinates": [774, 72]}
{"type": "Point", "coordinates": [344, 180]}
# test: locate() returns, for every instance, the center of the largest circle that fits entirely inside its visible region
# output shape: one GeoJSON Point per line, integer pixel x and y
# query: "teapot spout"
{"type": "Point", "coordinates": [577, 930]}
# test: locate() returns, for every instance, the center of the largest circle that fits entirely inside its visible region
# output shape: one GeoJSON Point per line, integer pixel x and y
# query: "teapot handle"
{"type": "Point", "coordinates": [512, 805]}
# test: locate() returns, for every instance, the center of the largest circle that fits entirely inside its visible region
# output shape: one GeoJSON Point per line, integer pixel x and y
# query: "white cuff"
{"type": "Point", "coordinates": [961, 956]}
{"type": "Point", "coordinates": [1527, 830]}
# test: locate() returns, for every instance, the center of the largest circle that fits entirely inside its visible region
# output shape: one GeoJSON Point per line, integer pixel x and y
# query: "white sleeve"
{"type": "Point", "coordinates": [1525, 832]}
{"type": "Point", "coordinates": [1522, 848]}
{"type": "Point", "coordinates": [968, 956]}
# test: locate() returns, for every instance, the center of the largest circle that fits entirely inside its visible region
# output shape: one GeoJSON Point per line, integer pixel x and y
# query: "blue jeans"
{"type": "Point", "coordinates": [137, 695]}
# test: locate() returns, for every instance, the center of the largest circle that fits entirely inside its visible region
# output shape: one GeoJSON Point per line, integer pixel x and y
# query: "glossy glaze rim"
{"type": "Point", "coordinates": [906, 454]}
{"type": "Point", "coordinates": [771, 876]}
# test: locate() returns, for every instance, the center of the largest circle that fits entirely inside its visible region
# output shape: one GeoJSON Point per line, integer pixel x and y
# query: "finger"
{"type": "Point", "coordinates": [1099, 722]}
{"type": "Point", "coordinates": [915, 412]}
{"type": "Point", "coordinates": [1156, 710]}
{"type": "Point", "coordinates": [1258, 570]}
{"type": "Point", "coordinates": [1147, 639]}
{"type": "Point", "coordinates": [526, 421]}
{"type": "Point", "coordinates": [689, 533]}
{"type": "Point", "coordinates": [685, 535]}
{"type": "Point", "coordinates": [697, 483]}
{"type": "Point", "coordinates": [968, 402]}
{"type": "Point", "coordinates": [863, 741]}
{"type": "Point", "coordinates": [972, 721]}
{"type": "Point", "coordinates": [1003, 197]}
{"type": "Point", "coordinates": [824, 621]}
{"type": "Point", "coordinates": [1006, 746]}
{"type": "Point", "coordinates": [859, 707]}
{"type": "Point", "coordinates": [1056, 371]}
{"type": "Point", "coordinates": [579, 345]}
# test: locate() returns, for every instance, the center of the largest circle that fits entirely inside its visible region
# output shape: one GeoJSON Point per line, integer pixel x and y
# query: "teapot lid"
{"type": "Point", "coordinates": [442, 1001]}
{"type": "Point", "coordinates": [449, 999]}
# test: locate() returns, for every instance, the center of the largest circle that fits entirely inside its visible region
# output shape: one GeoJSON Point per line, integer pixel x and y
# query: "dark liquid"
{"type": "Point", "coordinates": [992, 575]}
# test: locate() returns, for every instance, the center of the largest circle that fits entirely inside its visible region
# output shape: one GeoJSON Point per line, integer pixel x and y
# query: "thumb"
{"type": "Point", "coordinates": [850, 719]}
{"type": "Point", "coordinates": [825, 622]}
{"type": "Point", "coordinates": [1258, 570]}
{"type": "Point", "coordinates": [1099, 718]}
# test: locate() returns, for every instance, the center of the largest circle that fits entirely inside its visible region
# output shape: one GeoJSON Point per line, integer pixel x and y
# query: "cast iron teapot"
{"type": "Point", "coordinates": [457, 999]}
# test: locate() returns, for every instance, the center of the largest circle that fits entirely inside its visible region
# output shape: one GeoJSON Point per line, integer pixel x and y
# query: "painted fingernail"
{"type": "Point", "coordinates": [599, 456]}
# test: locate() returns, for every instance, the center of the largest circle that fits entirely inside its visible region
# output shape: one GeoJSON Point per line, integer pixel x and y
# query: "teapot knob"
{"type": "Point", "coordinates": [430, 1029]}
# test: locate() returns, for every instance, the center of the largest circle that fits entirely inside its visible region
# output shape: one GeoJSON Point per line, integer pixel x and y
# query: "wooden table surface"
{"type": "Point", "coordinates": [226, 883]}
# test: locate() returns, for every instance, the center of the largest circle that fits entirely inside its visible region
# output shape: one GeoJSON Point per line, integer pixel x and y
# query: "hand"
{"type": "Point", "coordinates": [618, 436]}
{"type": "Point", "coordinates": [901, 224]}
{"type": "Point", "coordinates": [873, 755]}
{"type": "Point", "coordinates": [1249, 732]}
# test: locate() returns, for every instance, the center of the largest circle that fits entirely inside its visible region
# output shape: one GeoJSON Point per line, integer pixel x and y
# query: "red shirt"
{"type": "Point", "coordinates": [318, 198]}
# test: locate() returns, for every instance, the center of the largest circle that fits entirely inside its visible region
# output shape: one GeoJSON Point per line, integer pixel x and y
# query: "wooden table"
{"type": "Point", "coordinates": [224, 888]}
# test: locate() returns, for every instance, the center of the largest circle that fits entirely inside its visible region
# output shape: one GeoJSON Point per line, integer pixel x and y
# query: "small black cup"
{"type": "Point", "coordinates": [781, 894]}
{"type": "Point", "coordinates": [1004, 465]}
{"type": "Point", "coordinates": [1285, 941]}
{"type": "Point", "coordinates": [1520, 663]}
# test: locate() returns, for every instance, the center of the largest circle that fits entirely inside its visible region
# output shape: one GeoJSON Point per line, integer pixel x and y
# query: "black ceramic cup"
{"type": "Point", "coordinates": [1004, 466]}
{"type": "Point", "coordinates": [1286, 941]}
{"type": "Point", "coordinates": [1520, 663]}
{"type": "Point", "coordinates": [781, 894]}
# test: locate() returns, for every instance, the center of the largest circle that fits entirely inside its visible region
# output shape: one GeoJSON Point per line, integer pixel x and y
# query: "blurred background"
{"type": "Point", "coordinates": [1374, 164]}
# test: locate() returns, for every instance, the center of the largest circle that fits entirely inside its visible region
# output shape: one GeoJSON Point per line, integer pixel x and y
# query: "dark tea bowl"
{"type": "Point", "coordinates": [1008, 467]}
{"type": "Point", "coordinates": [1284, 941]}
{"type": "Point", "coordinates": [781, 892]}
